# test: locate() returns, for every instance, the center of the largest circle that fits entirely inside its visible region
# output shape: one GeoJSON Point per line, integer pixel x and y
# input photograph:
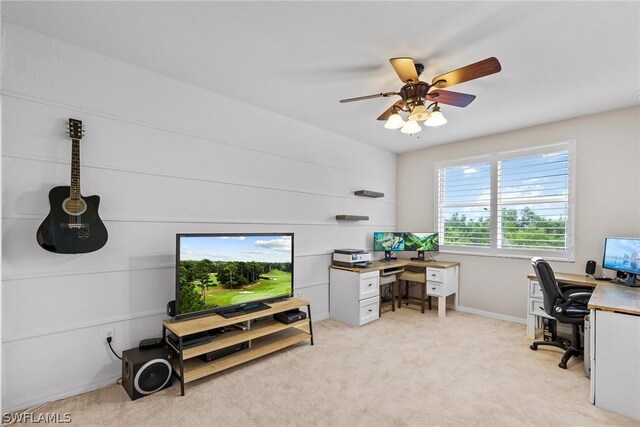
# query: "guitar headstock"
{"type": "Point", "coordinates": [75, 129]}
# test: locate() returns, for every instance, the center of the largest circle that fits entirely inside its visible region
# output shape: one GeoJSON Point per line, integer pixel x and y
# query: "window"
{"type": "Point", "coordinates": [508, 204]}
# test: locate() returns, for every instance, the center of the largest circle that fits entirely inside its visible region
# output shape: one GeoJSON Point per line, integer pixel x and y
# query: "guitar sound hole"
{"type": "Point", "coordinates": [74, 207]}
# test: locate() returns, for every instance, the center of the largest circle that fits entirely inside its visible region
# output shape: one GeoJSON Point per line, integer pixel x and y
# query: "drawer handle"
{"type": "Point", "coordinates": [370, 284]}
{"type": "Point", "coordinates": [370, 309]}
{"type": "Point", "coordinates": [433, 289]}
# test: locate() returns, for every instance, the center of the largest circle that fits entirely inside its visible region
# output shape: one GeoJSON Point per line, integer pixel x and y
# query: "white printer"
{"type": "Point", "coordinates": [351, 257]}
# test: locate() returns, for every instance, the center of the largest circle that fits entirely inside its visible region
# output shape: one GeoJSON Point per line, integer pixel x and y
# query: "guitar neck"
{"type": "Point", "coordinates": [75, 169]}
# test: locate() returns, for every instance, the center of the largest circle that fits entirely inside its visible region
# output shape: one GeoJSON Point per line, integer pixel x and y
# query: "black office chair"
{"type": "Point", "coordinates": [566, 305]}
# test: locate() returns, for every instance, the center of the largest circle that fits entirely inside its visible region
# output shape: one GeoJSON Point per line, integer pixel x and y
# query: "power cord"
{"type": "Point", "coordinates": [112, 350]}
{"type": "Point", "coordinates": [387, 295]}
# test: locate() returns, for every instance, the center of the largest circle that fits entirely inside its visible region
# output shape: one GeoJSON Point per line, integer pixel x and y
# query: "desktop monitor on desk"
{"type": "Point", "coordinates": [623, 255]}
{"type": "Point", "coordinates": [390, 242]}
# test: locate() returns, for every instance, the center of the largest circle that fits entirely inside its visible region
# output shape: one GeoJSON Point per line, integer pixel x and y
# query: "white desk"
{"type": "Point", "coordinates": [614, 336]}
{"type": "Point", "coordinates": [615, 352]}
{"type": "Point", "coordinates": [354, 292]}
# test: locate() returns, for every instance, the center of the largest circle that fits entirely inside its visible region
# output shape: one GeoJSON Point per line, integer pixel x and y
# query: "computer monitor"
{"type": "Point", "coordinates": [421, 242]}
{"type": "Point", "coordinates": [388, 241]}
{"type": "Point", "coordinates": [623, 255]}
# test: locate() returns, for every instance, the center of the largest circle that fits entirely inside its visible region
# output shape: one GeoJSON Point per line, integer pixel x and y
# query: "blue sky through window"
{"type": "Point", "coordinates": [527, 206]}
{"type": "Point", "coordinates": [274, 248]}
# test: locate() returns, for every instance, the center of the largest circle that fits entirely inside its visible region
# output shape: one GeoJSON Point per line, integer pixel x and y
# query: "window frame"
{"type": "Point", "coordinates": [567, 255]}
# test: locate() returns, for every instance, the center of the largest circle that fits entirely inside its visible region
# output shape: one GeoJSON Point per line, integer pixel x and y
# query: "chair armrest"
{"type": "Point", "coordinates": [576, 297]}
{"type": "Point", "coordinates": [579, 295]}
{"type": "Point", "coordinates": [573, 288]}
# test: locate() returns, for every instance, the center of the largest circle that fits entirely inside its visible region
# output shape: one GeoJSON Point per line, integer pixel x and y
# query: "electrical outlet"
{"type": "Point", "coordinates": [109, 333]}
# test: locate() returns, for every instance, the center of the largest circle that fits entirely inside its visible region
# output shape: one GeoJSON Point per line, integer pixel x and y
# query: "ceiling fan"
{"type": "Point", "coordinates": [416, 93]}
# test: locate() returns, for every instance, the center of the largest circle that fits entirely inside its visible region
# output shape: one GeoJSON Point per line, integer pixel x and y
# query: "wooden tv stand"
{"type": "Point", "coordinates": [263, 337]}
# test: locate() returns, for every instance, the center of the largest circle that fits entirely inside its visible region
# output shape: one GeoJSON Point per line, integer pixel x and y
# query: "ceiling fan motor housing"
{"type": "Point", "coordinates": [414, 93]}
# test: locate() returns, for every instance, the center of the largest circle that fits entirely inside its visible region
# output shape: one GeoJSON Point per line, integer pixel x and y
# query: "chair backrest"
{"type": "Point", "coordinates": [550, 288]}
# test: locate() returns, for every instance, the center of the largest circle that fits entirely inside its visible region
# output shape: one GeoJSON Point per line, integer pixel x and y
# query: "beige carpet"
{"type": "Point", "coordinates": [404, 369]}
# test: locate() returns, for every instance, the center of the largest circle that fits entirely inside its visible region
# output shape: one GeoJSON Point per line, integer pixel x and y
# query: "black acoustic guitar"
{"type": "Point", "coordinates": [73, 225]}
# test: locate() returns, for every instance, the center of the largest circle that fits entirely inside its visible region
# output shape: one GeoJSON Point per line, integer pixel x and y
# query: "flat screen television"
{"type": "Point", "coordinates": [623, 255]}
{"type": "Point", "coordinates": [232, 274]}
{"type": "Point", "coordinates": [396, 241]}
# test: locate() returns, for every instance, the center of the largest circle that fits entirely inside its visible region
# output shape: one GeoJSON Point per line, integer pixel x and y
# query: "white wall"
{"type": "Point", "coordinates": [1, 225]}
{"type": "Point", "coordinates": [165, 157]}
{"type": "Point", "coordinates": [607, 203]}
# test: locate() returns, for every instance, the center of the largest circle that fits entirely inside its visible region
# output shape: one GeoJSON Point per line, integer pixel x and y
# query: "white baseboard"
{"type": "Point", "coordinates": [76, 389]}
{"type": "Point", "coordinates": [62, 393]}
{"type": "Point", "coordinates": [319, 317]}
{"type": "Point", "coordinates": [492, 315]}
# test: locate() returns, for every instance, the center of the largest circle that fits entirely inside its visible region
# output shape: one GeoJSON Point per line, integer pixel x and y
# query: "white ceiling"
{"type": "Point", "coordinates": [559, 59]}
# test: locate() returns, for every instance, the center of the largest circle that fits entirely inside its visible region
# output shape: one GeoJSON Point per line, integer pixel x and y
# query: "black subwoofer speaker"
{"type": "Point", "coordinates": [146, 371]}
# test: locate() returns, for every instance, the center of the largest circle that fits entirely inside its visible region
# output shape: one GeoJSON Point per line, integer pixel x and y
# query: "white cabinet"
{"type": "Point", "coordinates": [535, 309]}
{"type": "Point", "coordinates": [615, 367]}
{"type": "Point", "coordinates": [354, 298]}
{"type": "Point", "coordinates": [442, 282]}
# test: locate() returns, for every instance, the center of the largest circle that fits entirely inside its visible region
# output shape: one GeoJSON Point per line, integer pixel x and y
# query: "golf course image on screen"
{"type": "Point", "coordinates": [221, 271]}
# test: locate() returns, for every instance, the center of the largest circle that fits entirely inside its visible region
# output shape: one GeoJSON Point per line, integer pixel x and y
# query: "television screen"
{"type": "Point", "coordinates": [422, 242]}
{"type": "Point", "coordinates": [622, 255]}
{"type": "Point", "coordinates": [388, 241]}
{"type": "Point", "coordinates": [219, 271]}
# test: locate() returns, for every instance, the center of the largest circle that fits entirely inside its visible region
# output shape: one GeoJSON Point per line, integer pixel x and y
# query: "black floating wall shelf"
{"type": "Point", "coordinates": [368, 193]}
{"type": "Point", "coordinates": [352, 217]}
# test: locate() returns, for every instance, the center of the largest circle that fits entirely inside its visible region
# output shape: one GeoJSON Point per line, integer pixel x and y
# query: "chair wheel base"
{"type": "Point", "coordinates": [562, 365]}
{"type": "Point", "coordinates": [533, 347]}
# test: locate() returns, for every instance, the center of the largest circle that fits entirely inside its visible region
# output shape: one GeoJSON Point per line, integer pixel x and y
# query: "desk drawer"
{"type": "Point", "coordinates": [387, 279]}
{"type": "Point", "coordinates": [536, 307]}
{"type": "Point", "coordinates": [369, 287]}
{"type": "Point", "coordinates": [369, 274]}
{"type": "Point", "coordinates": [369, 310]}
{"type": "Point", "coordinates": [535, 290]}
{"type": "Point", "coordinates": [435, 275]}
{"type": "Point", "coordinates": [434, 289]}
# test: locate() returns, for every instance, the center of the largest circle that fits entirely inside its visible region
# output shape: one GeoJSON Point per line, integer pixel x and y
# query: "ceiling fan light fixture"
{"type": "Point", "coordinates": [437, 118]}
{"type": "Point", "coordinates": [411, 127]}
{"type": "Point", "coordinates": [394, 121]}
{"type": "Point", "coordinates": [419, 113]}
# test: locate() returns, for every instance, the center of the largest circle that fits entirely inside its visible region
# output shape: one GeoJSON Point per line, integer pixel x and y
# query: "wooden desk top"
{"type": "Point", "coordinates": [573, 279]}
{"type": "Point", "coordinates": [606, 295]}
{"type": "Point", "coordinates": [399, 264]}
{"type": "Point", "coordinates": [618, 298]}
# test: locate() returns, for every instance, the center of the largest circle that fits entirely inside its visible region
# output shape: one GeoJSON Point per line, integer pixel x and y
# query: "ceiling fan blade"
{"type": "Point", "coordinates": [362, 98]}
{"type": "Point", "coordinates": [397, 106]}
{"type": "Point", "coordinates": [406, 69]}
{"type": "Point", "coordinates": [450, 98]}
{"type": "Point", "coordinates": [479, 69]}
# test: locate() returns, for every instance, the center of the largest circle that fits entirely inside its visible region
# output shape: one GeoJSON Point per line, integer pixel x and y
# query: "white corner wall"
{"type": "Point", "coordinates": [165, 157]}
{"type": "Point", "coordinates": [607, 202]}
